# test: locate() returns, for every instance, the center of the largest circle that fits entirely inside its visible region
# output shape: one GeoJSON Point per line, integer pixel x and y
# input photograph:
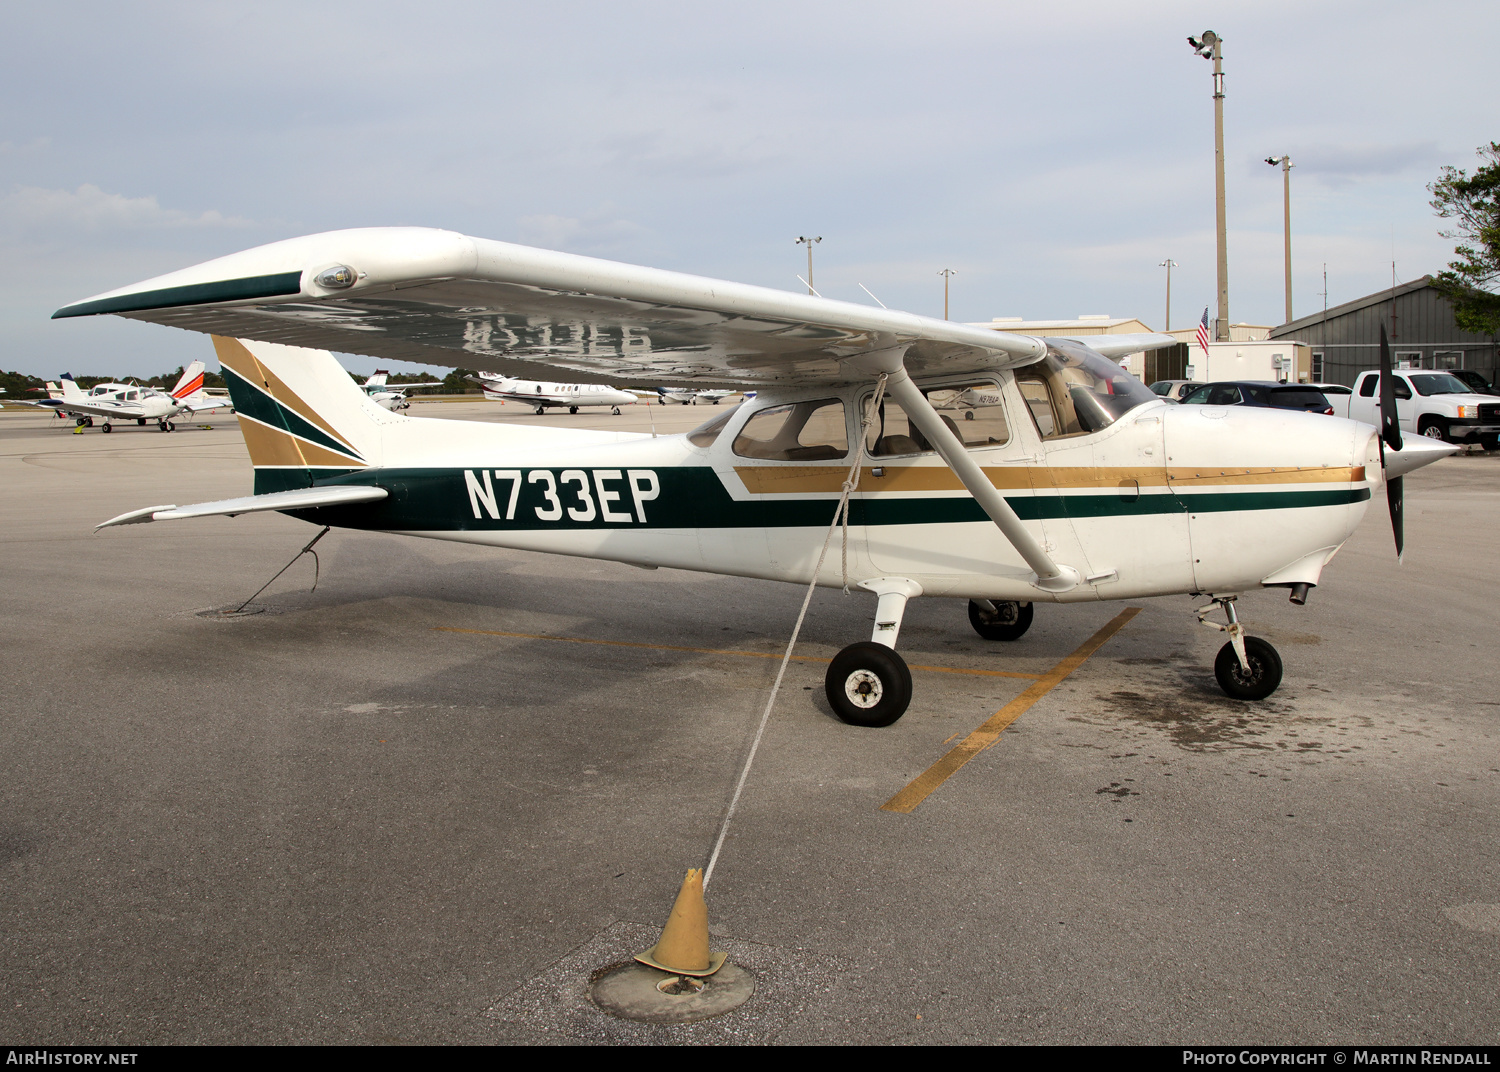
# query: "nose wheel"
{"type": "Point", "coordinates": [1247, 668]}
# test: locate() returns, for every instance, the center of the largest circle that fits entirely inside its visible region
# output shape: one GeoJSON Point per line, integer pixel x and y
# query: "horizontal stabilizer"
{"type": "Point", "coordinates": [301, 499]}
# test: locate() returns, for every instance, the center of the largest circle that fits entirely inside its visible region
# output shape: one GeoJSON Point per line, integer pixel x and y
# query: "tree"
{"type": "Point", "coordinates": [1474, 203]}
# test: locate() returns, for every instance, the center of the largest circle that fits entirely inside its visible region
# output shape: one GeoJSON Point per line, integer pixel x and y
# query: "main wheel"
{"type": "Point", "coordinates": [540, 410]}
{"type": "Point", "coordinates": [1434, 430]}
{"type": "Point", "coordinates": [88, 422]}
{"type": "Point", "coordinates": [171, 426]}
{"type": "Point", "coordinates": [108, 427]}
{"type": "Point", "coordinates": [572, 409]}
{"type": "Point", "coordinates": [161, 426]}
{"type": "Point", "coordinates": [968, 415]}
{"type": "Point", "coordinates": [140, 422]}
{"type": "Point", "coordinates": [1008, 621]}
{"type": "Point", "coordinates": [615, 410]}
{"type": "Point", "coordinates": [868, 684]}
{"type": "Point", "coordinates": [1256, 683]}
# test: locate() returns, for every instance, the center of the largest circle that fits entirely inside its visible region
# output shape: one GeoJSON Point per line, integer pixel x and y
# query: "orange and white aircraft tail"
{"type": "Point", "coordinates": [191, 381]}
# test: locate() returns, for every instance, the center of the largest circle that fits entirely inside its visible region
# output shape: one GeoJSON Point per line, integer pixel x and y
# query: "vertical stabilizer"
{"type": "Point", "coordinates": [191, 381]}
{"type": "Point", "coordinates": [303, 418]}
{"type": "Point", "coordinates": [71, 390]}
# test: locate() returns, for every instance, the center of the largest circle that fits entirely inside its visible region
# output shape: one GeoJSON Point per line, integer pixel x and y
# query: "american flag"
{"type": "Point", "coordinates": [1203, 331]}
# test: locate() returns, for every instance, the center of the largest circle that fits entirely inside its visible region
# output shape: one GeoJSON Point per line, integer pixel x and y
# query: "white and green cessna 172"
{"type": "Point", "coordinates": [1062, 480]}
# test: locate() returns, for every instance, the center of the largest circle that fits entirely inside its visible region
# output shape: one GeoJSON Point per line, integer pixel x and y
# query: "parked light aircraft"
{"type": "Point", "coordinates": [130, 402]}
{"type": "Point", "coordinates": [689, 397]}
{"type": "Point", "coordinates": [542, 395]}
{"type": "Point", "coordinates": [1072, 483]}
{"type": "Point", "coordinates": [391, 396]}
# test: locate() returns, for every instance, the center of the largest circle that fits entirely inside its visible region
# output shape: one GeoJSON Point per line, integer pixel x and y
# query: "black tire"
{"type": "Point", "coordinates": [868, 684]}
{"type": "Point", "coordinates": [615, 410]}
{"type": "Point", "coordinates": [1490, 442]}
{"type": "Point", "coordinates": [540, 410]}
{"type": "Point", "coordinates": [161, 426]}
{"type": "Point", "coordinates": [108, 427]}
{"type": "Point", "coordinates": [1263, 677]}
{"type": "Point", "coordinates": [572, 409]}
{"type": "Point", "coordinates": [1434, 430]}
{"type": "Point", "coordinates": [140, 422]}
{"type": "Point", "coordinates": [88, 422]}
{"type": "Point", "coordinates": [968, 415]}
{"type": "Point", "coordinates": [1008, 621]}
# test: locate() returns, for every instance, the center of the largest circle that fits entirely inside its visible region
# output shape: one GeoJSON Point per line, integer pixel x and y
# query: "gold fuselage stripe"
{"type": "Point", "coordinates": [803, 479]}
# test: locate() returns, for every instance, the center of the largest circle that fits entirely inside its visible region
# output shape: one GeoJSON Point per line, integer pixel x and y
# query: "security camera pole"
{"type": "Point", "coordinates": [1168, 264]}
{"type": "Point", "coordinates": [946, 273]}
{"type": "Point", "coordinates": [1211, 47]}
{"type": "Point", "coordinates": [808, 242]}
{"type": "Point", "coordinates": [1286, 191]}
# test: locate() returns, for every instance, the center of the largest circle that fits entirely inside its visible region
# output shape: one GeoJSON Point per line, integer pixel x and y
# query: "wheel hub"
{"type": "Point", "coordinates": [863, 689]}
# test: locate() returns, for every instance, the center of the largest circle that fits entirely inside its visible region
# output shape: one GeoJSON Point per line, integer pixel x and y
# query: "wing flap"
{"type": "Point", "coordinates": [300, 499]}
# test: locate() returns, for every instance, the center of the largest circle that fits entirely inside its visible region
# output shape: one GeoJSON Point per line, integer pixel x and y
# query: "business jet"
{"type": "Point", "coordinates": [1076, 484]}
{"type": "Point", "coordinates": [543, 396]}
{"type": "Point", "coordinates": [119, 402]}
{"type": "Point", "coordinates": [391, 396]}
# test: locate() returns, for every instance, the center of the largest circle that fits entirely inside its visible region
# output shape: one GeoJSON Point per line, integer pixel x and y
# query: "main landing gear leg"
{"type": "Point", "coordinates": [868, 684]}
{"type": "Point", "coordinates": [1247, 667]}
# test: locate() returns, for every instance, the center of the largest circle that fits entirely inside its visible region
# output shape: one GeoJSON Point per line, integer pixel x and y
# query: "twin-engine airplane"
{"type": "Point", "coordinates": [543, 396]}
{"type": "Point", "coordinates": [1067, 480]}
{"type": "Point", "coordinates": [130, 402]}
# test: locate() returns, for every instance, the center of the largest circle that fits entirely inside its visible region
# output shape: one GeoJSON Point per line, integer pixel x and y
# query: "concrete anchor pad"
{"type": "Point", "coordinates": [635, 991]}
{"type": "Point", "coordinates": [762, 994]}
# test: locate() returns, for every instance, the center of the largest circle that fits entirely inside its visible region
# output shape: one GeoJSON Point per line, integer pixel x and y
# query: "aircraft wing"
{"type": "Point", "coordinates": [206, 404]}
{"type": "Point", "coordinates": [300, 499]}
{"type": "Point", "coordinates": [438, 297]}
{"type": "Point", "coordinates": [124, 411]}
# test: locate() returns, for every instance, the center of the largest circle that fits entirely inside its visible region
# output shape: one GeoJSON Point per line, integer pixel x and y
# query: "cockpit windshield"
{"type": "Point", "coordinates": [1074, 391]}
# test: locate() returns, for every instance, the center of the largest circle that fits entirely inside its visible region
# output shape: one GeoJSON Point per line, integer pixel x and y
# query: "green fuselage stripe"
{"type": "Point", "coordinates": [693, 497]}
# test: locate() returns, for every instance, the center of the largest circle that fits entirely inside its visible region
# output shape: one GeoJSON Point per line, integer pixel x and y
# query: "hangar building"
{"type": "Point", "coordinates": [1345, 340]}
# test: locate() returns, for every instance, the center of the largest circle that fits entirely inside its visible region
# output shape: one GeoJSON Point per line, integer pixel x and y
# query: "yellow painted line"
{"type": "Point", "coordinates": [715, 651]}
{"type": "Point", "coordinates": [926, 783]}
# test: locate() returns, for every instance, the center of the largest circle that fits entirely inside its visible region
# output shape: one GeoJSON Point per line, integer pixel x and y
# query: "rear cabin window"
{"type": "Point", "coordinates": [799, 432]}
{"type": "Point", "coordinates": [705, 434]}
{"type": "Point", "coordinates": [1367, 386]}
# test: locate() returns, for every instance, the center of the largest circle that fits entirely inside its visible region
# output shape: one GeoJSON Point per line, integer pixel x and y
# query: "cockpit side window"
{"type": "Point", "coordinates": [1075, 391]}
{"type": "Point", "coordinates": [981, 424]}
{"type": "Point", "coordinates": [800, 431]}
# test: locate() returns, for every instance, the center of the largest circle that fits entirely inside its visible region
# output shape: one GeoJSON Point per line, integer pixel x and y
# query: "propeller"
{"type": "Point", "coordinates": [1390, 436]}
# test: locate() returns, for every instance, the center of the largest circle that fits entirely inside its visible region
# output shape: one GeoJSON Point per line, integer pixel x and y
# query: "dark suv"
{"type": "Point", "coordinates": [1263, 393]}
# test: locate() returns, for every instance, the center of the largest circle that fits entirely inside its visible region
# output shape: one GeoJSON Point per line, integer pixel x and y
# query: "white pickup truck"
{"type": "Point", "coordinates": [1433, 404]}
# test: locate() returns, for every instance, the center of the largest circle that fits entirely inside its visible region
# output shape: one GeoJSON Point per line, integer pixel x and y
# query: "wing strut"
{"type": "Point", "coordinates": [1050, 576]}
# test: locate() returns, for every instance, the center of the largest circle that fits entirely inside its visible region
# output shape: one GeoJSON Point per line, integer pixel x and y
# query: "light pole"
{"type": "Point", "coordinates": [1211, 47]}
{"type": "Point", "coordinates": [1286, 200]}
{"type": "Point", "coordinates": [946, 273]}
{"type": "Point", "coordinates": [808, 242]}
{"type": "Point", "coordinates": [1168, 264]}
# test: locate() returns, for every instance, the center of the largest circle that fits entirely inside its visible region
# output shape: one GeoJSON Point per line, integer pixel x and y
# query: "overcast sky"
{"type": "Point", "coordinates": [1052, 155]}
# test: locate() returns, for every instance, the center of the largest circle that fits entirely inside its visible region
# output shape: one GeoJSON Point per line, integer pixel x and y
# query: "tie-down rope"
{"type": "Point", "coordinates": [840, 517]}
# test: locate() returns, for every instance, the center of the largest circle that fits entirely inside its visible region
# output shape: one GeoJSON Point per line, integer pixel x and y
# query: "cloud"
{"type": "Point", "coordinates": [1340, 165]}
{"type": "Point", "coordinates": [89, 208]}
{"type": "Point", "coordinates": [595, 232]}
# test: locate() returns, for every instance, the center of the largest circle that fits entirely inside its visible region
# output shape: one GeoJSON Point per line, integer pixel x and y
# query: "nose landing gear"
{"type": "Point", "coordinates": [1247, 668]}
